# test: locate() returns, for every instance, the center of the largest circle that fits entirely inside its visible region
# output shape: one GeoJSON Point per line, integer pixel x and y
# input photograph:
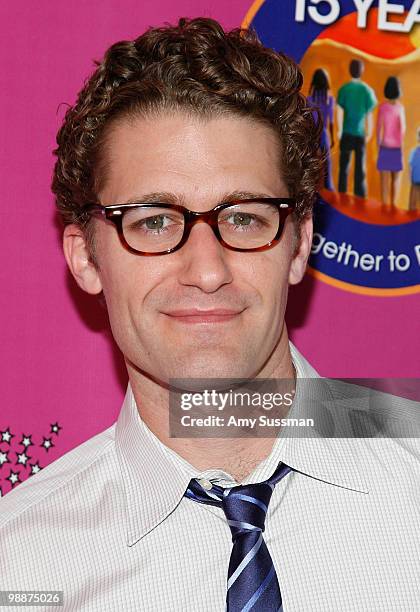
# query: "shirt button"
{"type": "Point", "coordinates": [206, 484]}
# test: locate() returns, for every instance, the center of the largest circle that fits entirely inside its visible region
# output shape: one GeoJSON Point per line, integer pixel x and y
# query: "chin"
{"type": "Point", "coordinates": [213, 366]}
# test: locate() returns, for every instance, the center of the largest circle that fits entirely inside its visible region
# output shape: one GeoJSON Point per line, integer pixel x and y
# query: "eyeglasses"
{"type": "Point", "coordinates": [156, 229]}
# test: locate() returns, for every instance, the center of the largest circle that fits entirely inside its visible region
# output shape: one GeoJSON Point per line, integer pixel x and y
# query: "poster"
{"type": "Point", "coordinates": [367, 230]}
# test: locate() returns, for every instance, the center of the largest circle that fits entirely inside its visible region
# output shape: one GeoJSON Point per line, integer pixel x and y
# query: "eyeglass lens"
{"type": "Point", "coordinates": [154, 229]}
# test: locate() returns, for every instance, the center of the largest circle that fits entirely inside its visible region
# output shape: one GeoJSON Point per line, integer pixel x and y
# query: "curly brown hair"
{"type": "Point", "coordinates": [198, 67]}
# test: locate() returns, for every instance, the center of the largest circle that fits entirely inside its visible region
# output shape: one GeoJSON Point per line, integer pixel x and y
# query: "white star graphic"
{"type": "Point", "coordinates": [22, 458]}
{"type": "Point", "coordinates": [55, 428]}
{"type": "Point", "coordinates": [14, 477]}
{"type": "Point", "coordinates": [35, 468]}
{"type": "Point", "coordinates": [6, 435]}
{"type": "Point", "coordinates": [26, 441]}
{"type": "Point", "coordinates": [4, 457]}
{"type": "Point", "coordinates": [47, 444]}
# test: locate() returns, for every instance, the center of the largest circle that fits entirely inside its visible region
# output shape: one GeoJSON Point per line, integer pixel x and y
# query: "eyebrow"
{"type": "Point", "coordinates": [166, 197]}
{"type": "Point", "coordinates": [155, 196]}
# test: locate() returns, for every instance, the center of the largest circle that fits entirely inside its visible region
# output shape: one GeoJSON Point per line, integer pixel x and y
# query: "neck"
{"type": "Point", "coordinates": [237, 456]}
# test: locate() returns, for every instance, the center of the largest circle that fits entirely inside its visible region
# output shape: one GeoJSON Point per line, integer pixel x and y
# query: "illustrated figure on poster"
{"type": "Point", "coordinates": [390, 130]}
{"type": "Point", "coordinates": [320, 97]}
{"type": "Point", "coordinates": [355, 103]}
{"type": "Point", "coordinates": [414, 161]}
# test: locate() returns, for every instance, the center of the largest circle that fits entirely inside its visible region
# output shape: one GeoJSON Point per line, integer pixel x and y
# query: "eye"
{"type": "Point", "coordinates": [140, 220]}
{"type": "Point", "coordinates": [241, 218]}
{"type": "Point", "coordinates": [156, 222]}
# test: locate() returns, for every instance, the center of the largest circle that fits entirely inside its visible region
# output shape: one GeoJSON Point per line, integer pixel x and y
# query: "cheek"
{"type": "Point", "coordinates": [269, 275]}
{"type": "Point", "coordinates": [129, 284]}
{"type": "Point", "coordinates": [270, 283]}
{"type": "Point", "coordinates": [124, 275]}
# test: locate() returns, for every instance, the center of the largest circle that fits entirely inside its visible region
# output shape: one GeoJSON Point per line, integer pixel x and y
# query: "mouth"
{"type": "Point", "coordinates": [196, 316]}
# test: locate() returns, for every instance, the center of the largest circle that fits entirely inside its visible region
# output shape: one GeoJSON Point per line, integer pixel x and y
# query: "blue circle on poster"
{"type": "Point", "coordinates": [360, 244]}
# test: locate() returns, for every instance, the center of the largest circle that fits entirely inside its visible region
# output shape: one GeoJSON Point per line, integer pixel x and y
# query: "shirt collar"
{"type": "Point", "coordinates": [330, 459]}
{"type": "Point", "coordinates": [155, 478]}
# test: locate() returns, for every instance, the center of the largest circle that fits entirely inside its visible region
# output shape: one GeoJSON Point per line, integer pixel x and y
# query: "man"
{"type": "Point", "coordinates": [356, 101]}
{"type": "Point", "coordinates": [183, 121]}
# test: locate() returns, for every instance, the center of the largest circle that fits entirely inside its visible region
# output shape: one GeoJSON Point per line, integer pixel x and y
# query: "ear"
{"type": "Point", "coordinates": [78, 260]}
{"type": "Point", "coordinates": [302, 252]}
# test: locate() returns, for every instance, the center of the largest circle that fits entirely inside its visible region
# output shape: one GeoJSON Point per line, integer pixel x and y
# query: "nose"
{"type": "Point", "coordinates": [204, 261]}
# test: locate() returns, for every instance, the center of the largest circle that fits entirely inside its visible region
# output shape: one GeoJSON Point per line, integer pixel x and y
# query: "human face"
{"type": "Point", "coordinates": [203, 311]}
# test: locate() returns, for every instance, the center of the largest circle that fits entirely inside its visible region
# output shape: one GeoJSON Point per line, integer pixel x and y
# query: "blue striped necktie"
{"type": "Point", "coordinates": [252, 579]}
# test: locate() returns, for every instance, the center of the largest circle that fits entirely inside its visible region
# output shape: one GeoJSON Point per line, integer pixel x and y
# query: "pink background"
{"type": "Point", "coordinates": [57, 361]}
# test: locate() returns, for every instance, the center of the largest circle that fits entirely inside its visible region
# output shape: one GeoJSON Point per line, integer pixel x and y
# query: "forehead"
{"type": "Point", "coordinates": [194, 158]}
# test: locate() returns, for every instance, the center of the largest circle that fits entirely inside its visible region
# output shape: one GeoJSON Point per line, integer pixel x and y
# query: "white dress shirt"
{"type": "Point", "coordinates": [108, 524]}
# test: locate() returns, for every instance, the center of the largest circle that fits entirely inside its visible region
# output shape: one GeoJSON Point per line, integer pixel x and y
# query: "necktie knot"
{"type": "Point", "coordinates": [252, 583]}
{"type": "Point", "coordinates": [245, 507]}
